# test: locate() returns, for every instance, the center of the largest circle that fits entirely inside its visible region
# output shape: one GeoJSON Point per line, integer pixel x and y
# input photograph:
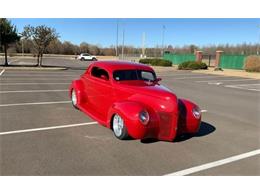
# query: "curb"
{"type": "Point", "coordinates": [33, 68]}
{"type": "Point", "coordinates": [243, 74]}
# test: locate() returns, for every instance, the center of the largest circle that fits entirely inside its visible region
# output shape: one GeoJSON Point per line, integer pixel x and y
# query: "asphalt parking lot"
{"type": "Point", "coordinates": [42, 134]}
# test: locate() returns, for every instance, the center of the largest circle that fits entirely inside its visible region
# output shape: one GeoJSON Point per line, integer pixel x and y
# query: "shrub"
{"type": "Point", "coordinates": [192, 65]}
{"type": "Point", "coordinates": [156, 62]}
{"type": "Point", "coordinates": [252, 64]}
{"type": "Point", "coordinates": [145, 61]}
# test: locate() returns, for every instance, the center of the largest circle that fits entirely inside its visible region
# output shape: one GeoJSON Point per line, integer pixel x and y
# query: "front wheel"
{"type": "Point", "coordinates": [94, 59]}
{"type": "Point", "coordinates": [119, 128]}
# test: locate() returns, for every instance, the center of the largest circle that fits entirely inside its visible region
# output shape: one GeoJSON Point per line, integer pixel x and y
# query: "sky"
{"type": "Point", "coordinates": [171, 31]}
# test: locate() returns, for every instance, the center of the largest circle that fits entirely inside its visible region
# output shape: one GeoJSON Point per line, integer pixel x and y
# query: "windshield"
{"type": "Point", "coordinates": [126, 75]}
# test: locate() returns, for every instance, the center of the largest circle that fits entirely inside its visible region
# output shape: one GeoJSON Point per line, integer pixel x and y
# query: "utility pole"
{"type": "Point", "coordinates": [123, 42]}
{"type": "Point", "coordinates": [257, 50]}
{"type": "Point", "coordinates": [143, 45]}
{"type": "Point", "coordinates": [163, 31]}
{"type": "Point", "coordinates": [117, 38]}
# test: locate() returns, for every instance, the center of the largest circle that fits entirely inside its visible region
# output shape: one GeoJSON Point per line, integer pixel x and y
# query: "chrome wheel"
{"type": "Point", "coordinates": [74, 98]}
{"type": "Point", "coordinates": [118, 126]}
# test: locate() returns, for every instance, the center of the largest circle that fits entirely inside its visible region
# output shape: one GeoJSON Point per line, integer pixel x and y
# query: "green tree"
{"type": "Point", "coordinates": [8, 35]}
{"type": "Point", "coordinates": [41, 36]}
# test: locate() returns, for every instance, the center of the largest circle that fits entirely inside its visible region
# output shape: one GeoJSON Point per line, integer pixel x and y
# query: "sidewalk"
{"type": "Point", "coordinates": [164, 69]}
{"type": "Point", "coordinates": [230, 72]}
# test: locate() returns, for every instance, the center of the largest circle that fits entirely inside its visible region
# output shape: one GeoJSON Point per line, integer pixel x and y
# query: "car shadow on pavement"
{"type": "Point", "coordinates": [205, 129]}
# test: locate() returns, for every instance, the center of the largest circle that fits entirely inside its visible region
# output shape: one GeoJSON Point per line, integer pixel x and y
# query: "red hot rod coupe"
{"type": "Point", "coordinates": [128, 98]}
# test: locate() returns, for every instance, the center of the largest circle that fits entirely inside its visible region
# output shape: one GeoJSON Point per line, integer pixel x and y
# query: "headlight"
{"type": "Point", "coordinates": [196, 112]}
{"type": "Point", "coordinates": [144, 117]}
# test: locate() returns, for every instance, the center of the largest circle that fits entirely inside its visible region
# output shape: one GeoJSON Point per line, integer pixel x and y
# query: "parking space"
{"type": "Point", "coordinates": [50, 137]}
{"type": "Point", "coordinates": [245, 167]}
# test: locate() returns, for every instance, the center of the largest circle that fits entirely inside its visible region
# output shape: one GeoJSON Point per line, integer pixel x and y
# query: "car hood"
{"type": "Point", "coordinates": [154, 90]}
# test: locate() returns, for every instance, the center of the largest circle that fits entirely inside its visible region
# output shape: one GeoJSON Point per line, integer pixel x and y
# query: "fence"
{"type": "Point", "coordinates": [179, 58]}
{"type": "Point", "coordinates": [232, 61]}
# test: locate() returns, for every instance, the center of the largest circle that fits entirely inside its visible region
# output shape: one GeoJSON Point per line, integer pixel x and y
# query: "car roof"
{"type": "Point", "coordinates": [121, 65]}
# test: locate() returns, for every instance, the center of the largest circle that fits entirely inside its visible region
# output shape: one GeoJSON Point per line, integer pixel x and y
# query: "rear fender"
{"type": "Point", "coordinates": [78, 86]}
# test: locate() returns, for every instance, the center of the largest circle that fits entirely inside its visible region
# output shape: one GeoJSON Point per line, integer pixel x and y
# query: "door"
{"type": "Point", "coordinates": [101, 96]}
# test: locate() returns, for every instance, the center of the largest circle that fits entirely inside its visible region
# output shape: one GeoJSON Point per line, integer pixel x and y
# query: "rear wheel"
{"type": "Point", "coordinates": [119, 128]}
{"type": "Point", "coordinates": [74, 99]}
{"type": "Point", "coordinates": [82, 59]}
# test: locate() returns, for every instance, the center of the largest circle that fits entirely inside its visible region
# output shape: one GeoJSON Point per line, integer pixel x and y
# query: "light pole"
{"type": "Point", "coordinates": [117, 38]}
{"type": "Point", "coordinates": [257, 50]}
{"type": "Point", "coordinates": [143, 45]}
{"type": "Point", "coordinates": [123, 42]}
{"type": "Point", "coordinates": [163, 31]}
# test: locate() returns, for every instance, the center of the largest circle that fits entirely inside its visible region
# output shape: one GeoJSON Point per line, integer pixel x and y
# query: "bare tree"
{"type": "Point", "coordinates": [55, 47]}
{"type": "Point", "coordinates": [41, 37]}
{"type": "Point", "coordinates": [94, 50]}
{"type": "Point", "coordinates": [84, 47]}
{"type": "Point", "coordinates": [69, 48]}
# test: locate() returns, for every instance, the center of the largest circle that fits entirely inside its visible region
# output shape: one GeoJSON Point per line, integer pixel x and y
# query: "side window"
{"type": "Point", "coordinates": [122, 75]}
{"type": "Point", "coordinates": [99, 73]}
{"type": "Point", "coordinates": [147, 76]}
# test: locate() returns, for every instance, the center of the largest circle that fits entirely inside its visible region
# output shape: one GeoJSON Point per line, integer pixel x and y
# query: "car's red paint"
{"type": "Point", "coordinates": [103, 97]}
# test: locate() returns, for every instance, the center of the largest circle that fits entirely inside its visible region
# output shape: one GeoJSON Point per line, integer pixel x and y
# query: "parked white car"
{"type": "Point", "coordinates": [86, 56]}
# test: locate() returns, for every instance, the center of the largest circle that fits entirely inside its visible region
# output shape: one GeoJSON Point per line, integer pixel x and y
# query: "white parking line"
{"type": "Point", "coordinates": [174, 74]}
{"type": "Point", "coordinates": [199, 77]}
{"type": "Point", "coordinates": [34, 83]}
{"type": "Point", "coordinates": [46, 128]}
{"type": "Point", "coordinates": [246, 84]}
{"type": "Point", "coordinates": [229, 80]}
{"type": "Point", "coordinates": [215, 83]}
{"type": "Point", "coordinates": [39, 74]}
{"type": "Point", "coordinates": [43, 72]}
{"type": "Point", "coordinates": [244, 87]}
{"type": "Point", "coordinates": [34, 79]}
{"type": "Point", "coordinates": [34, 91]}
{"type": "Point", "coordinates": [215, 163]}
{"type": "Point", "coordinates": [2, 72]}
{"type": "Point", "coordinates": [35, 103]}
{"type": "Point", "coordinates": [204, 111]}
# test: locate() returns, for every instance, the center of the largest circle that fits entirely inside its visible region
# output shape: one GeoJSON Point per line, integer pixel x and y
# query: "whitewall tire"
{"type": "Point", "coordinates": [119, 128]}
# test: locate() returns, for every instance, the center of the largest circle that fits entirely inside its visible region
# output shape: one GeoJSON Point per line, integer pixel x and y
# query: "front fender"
{"type": "Point", "coordinates": [129, 110]}
{"type": "Point", "coordinates": [187, 123]}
